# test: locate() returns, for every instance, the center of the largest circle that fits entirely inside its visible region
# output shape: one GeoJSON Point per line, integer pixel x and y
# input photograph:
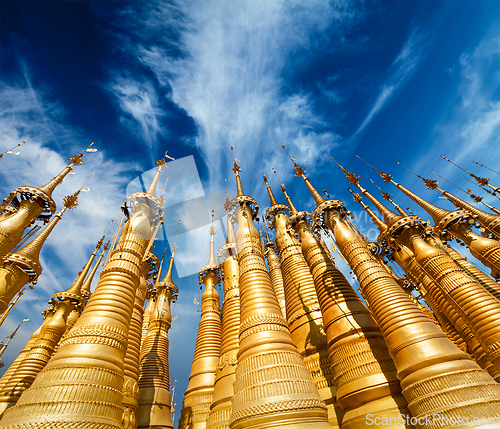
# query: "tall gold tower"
{"type": "Point", "coordinates": [199, 393]}
{"type": "Point", "coordinates": [50, 333]}
{"type": "Point", "coordinates": [82, 384]}
{"type": "Point", "coordinates": [451, 322]}
{"type": "Point", "coordinates": [461, 290]}
{"type": "Point", "coordinates": [273, 388]}
{"type": "Point", "coordinates": [23, 265]}
{"type": "Point", "coordinates": [154, 380]}
{"type": "Point", "coordinates": [302, 307]}
{"type": "Point", "coordinates": [29, 204]}
{"type": "Point", "coordinates": [435, 375]}
{"type": "Point", "coordinates": [220, 410]}
{"type": "Point", "coordinates": [456, 223]}
{"type": "Point", "coordinates": [275, 271]}
{"type": "Point", "coordinates": [363, 371]}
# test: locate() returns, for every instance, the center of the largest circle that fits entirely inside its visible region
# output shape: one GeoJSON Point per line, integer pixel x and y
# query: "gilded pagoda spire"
{"type": "Point", "coordinates": [154, 379]}
{"type": "Point", "coordinates": [220, 410]}
{"type": "Point", "coordinates": [354, 339]}
{"type": "Point", "coordinates": [456, 223]}
{"type": "Point", "coordinates": [82, 384]}
{"type": "Point", "coordinates": [386, 196]}
{"type": "Point", "coordinates": [199, 394]}
{"type": "Point", "coordinates": [456, 284]}
{"type": "Point", "coordinates": [47, 313]}
{"type": "Point", "coordinates": [428, 363]}
{"type": "Point", "coordinates": [85, 290]}
{"type": "Point", "coordinates": [273, 388]}
{"type": "Point", "coordinates": [448, 318]}
{"type": "Point", "coordinates": [275, 271]}
{"type": "Point", "coordinates": [42, 350]}
{"type": "Point", "coordinates": [489, 221]}
{"type": "Point", "coordinates": [34, 203]}
{"type": "Point", "coordinates": [23, 265]}
{"type": "Point", "coordinates": [302, 308]}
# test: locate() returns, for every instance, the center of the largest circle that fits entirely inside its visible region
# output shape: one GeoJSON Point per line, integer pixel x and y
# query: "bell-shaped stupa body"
{"type": "Point", "coordinates": [428, 363]}
{"type": "Point", "coordinates": [67, 303]}
{"type": "Point", "coordinates": [273, 387]}
{"type": "Point", "coordinates": [82, 385]}
{"type": "Point", "coordinates": [274, 264]}
{"type": "Point", "coordinates": [33, 203]}
{"type": "Point", "coordinates": [199, 393]}
{"type": "Point", "coordinates": [220, 410]}
{"type": "Point", "coordinates": [154, 379]}
{"type": "Point", "coordinates": [302, 309]}
{"type": "Point", "coordinates": [362, 369]}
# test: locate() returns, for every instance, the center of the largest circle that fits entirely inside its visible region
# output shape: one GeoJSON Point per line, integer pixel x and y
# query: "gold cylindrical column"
{"type": "Point", "coordinates": [131, 360]}
{"type": "Point", "coordinates": [154, 410]}
{"type": "Point", "coordinates": [82, 384]}
{"type": "Point", "coordinates": [220, 410]}
{"type": "Point", "coordinates": [275, 272]}
{"type": "Point", "coordinates": [273, 388]}
{"type": "Point", "coordinates": [199, 393]}
{"type": "Point", "coordinates": [363, 371]}
{"type": "Point", "coordinates": [436, 376]}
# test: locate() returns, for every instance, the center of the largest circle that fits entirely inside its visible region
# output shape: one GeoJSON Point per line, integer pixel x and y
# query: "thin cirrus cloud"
{"type": "Point", "coordinates": [400, 70]}
{"type": "Point", "coordinates": [222, 63]}
{"type": "Point", "coordinates": [472, 131]}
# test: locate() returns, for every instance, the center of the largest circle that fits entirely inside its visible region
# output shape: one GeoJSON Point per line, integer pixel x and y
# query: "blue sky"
{"type": "Point", "coordinates": [391, 81]}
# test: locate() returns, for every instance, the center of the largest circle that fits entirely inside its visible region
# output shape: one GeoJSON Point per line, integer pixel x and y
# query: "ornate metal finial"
{"type": "Point", "coordinates": [212, 230]}
{"type": "Point", "coordinates": [385, 195]}
{"type": "Point", "coordinates": [429, 183]}
{"type": "Point", "coordinates": [356, 196]}
{"type": "Point", "coordinates": [71, 201]}
{"type": "Point", "coordinates": [174, 247]}
{"type": "Point", "coordinates": [351, 178]}
{"type": "Point", "coordinates": [10, 150]}
{"type": "Point", "coordinates": [482, 181]}
{"type": "Point", "coordinates": [299, 171]}
{"type": "Point", "coordinates": [385, 176]}
{"type": "Point", "coordinates": [106, 246]}
{"type": "Point", "coordinates": [326, 193]}
{"type": "Point", "coordinates": [76, 160]}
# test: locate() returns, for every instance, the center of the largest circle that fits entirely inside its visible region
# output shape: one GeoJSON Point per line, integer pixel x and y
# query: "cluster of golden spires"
{"type": "Point", "coordinates": [293, 346]}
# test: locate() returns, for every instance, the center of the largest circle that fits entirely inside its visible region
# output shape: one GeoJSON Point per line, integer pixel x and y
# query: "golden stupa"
{"type": "Point", "coordinates": [289, 344]}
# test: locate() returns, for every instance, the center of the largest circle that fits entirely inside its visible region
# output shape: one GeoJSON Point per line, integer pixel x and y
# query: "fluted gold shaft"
{"type": "Point", "coordinates": [450, 319]}
{"type": "Point", "coordinates": [38, 356]}
{"type": "Point", "coordinates": [82, 385]}
{"type": "Point", "coordinates": [220, 410]}
{"type": "Point", "coordinates": [276, 275]}
{"type": "Point", "coordinates": [435, 375]}
{"type": "Point", "coordinates": [363, 370]}
{"type": "Point", "coordinates": [199, 394]}
{"type": "Point", "coordinates": [131, 360]}
{"type": "Point", "coordinates": [273, 387]}
{"type": "Point", "coordinates": [304, 317]}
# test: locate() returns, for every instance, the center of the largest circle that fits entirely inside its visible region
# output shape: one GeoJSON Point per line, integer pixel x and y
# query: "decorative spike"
{"type": "Point", "coordinates": [270, 192]}
{"type": "Point", "coordinates": [386, 177]}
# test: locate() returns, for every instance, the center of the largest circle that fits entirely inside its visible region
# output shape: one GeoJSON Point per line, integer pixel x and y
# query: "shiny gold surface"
{"type": "Point", "coordinates": [273, 387]}
{"type": "Point", "coordinates": [33, 203]}
{"type": "Point", "coordinates": [275, 272]}
{"type": "Point", "coordinates": [363, 370]}
{"type": "Point", "coordinates": [436, 376]}
{"type": "Point", "coordinates": [303, 311]}
{"type": "Point", "coordinates": [154, 379]}
{"type": "Point", "coordinates": [220, 410]}
{"type": "Point", "coordinates": [199, 394]}
{"type": "Point", "coordinates": [82, 384]}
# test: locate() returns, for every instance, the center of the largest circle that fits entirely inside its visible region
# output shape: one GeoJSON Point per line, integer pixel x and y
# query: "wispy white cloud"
{"type": "Point", "coordinates": [140, 109]}
{"type": "Point", "coordinates": [400, 70]}
{"type": "Point", "coordinates": [222, 63]}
